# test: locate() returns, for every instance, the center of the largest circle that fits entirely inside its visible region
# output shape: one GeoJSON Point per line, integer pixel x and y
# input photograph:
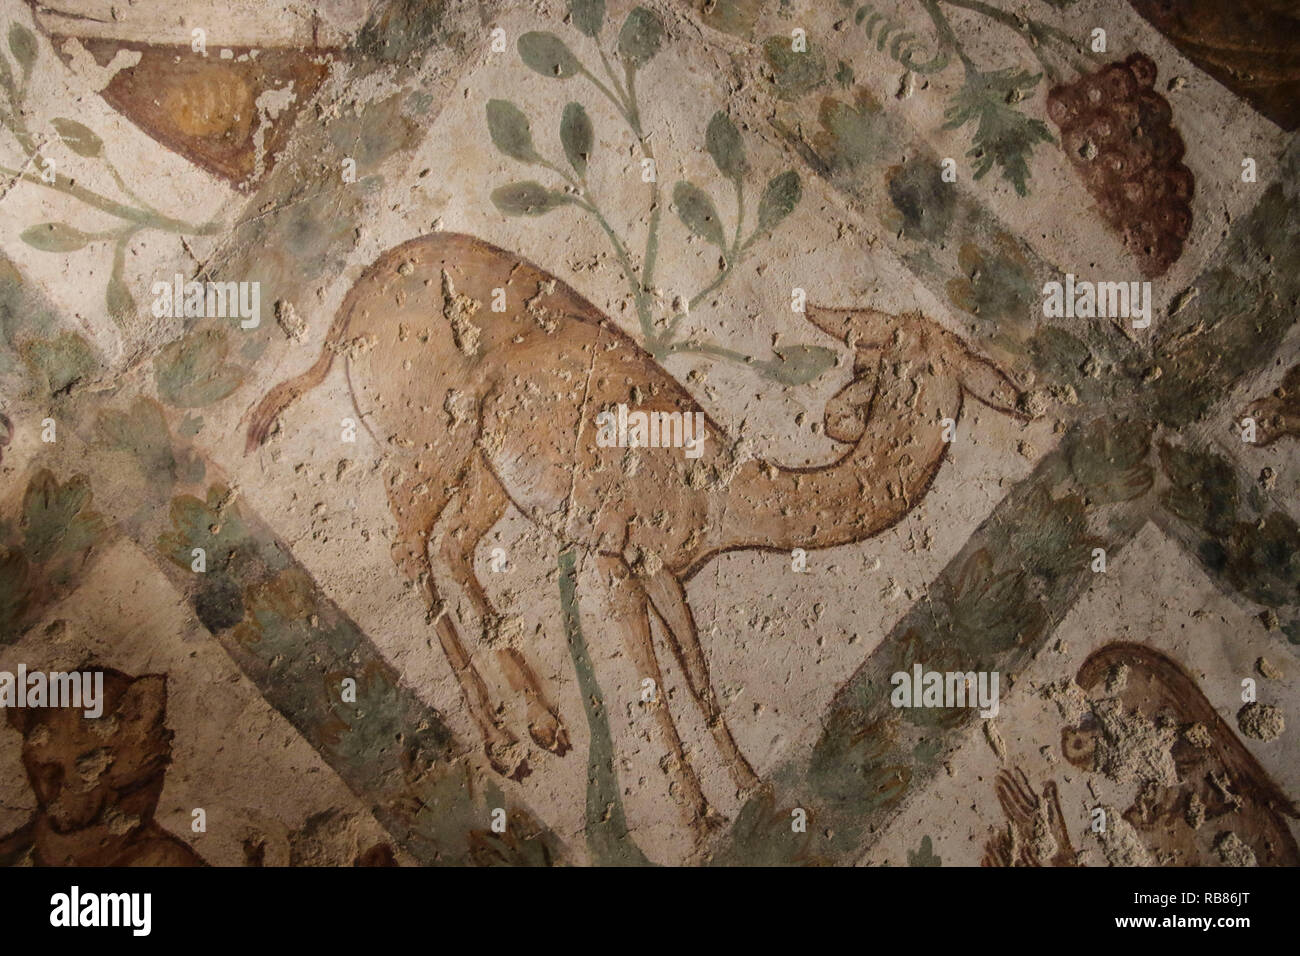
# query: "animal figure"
{"type": "Point", "coordinates": [486, 409]}
{"type": "Point", "coordinates": [97, 781]}
{"type": "Point", "coordinates": [1201, 789]}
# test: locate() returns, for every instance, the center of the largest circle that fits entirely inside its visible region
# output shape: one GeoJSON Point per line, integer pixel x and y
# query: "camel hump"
{"type": "Point", "coordinates": [439, 248]}
{"type": "Point", "coordinates": [459, 252]}
{"type": "Point", "coordinates": [487, 298]}
{"type": "Point", "coordinates": [464, 265]}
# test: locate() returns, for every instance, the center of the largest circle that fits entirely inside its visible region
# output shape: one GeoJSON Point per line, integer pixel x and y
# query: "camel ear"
{"type": "Point", "coordinates": [992, 385]}
{"type": "Point", "coordinates": [145, 700]}
{"type": "Point", "coordinates": [834, 322]}
{"type": "Point", "coordinates": [854, 327]}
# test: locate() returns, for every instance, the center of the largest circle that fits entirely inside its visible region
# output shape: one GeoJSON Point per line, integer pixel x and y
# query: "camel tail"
{"type": "Point", "coordinates": [269, 409]}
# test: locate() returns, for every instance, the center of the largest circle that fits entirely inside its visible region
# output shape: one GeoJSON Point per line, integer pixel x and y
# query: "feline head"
{"type": "Point", "coordinates": [82, 767]}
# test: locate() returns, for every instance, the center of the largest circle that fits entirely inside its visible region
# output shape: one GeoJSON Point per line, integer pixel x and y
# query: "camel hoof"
{"type": "Point", "coordinates": [549, 734]}
{"type": "Point", "coordinates": [712, 821]}
{"type": "Point", "coordinates": [507, 761]}
{"type": "Point", "coordinates": [746, 780]}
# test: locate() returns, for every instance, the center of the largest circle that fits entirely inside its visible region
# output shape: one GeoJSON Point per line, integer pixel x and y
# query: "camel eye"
{"type": "Point", "coordinates": [1077, 746]}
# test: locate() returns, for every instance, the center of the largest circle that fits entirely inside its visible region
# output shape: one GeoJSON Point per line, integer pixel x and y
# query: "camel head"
{"type": "Point", "coordinates": [873, 335]}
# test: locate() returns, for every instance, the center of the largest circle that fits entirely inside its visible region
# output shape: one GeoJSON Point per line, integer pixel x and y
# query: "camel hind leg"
{"type": "Point", "coordinates": [417, 506]}
{"type": "Point", "coordinates": [477, 505]}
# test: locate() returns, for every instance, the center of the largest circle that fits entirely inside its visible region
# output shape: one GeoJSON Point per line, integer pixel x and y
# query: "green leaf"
{"type": "Point", "coordinates": [797, 364]}
{"type": "Point", "coordinates": [210, 524]}
{"type": "Point", "coordinates": [588, 15]}
{"type": "Point", "coordinates": [723, 143]}
{"type": "Point", "coordinates": [696, 210]}
{"type": "Point", "coordinates": [78, 137]}
{"type": "Point", "coordinates": [640, 38]}
{"type": "Point", "coordinates": [22, 44]}
{"type": "Point", "coordinates": [54, 237]}
{"type": "Point", "coordinates": [193, 372]}
{"type": "Point", "coordinates": [60, 362]}
{"type": "Point", "coordinates": [545, 53]}
{"type": "Point", "coordinates": [925, 856]}
{"type": "Point", "coordinates": [851, 135]}
{"type": "Point", "coordinates": [779, 199]}
{"type": "Point", "coordinates": [510, 131]}
{"type": "Point", "coordinates": [794, 73]}
{"type": "Point", "coordinates": [142, 432]}
{"type": "Point", "coordinates": [57, 519]}
{"type": "Point", "coordinates": [1003, 135]}
{"type": "Point", "coordinates": [577, 136]}
{"type": "Point", "coordinates": [118, 298]}
{"type": "Point", "coordinates": [527, 199]}
{"type": "Point", "coordinates": [736, 17]}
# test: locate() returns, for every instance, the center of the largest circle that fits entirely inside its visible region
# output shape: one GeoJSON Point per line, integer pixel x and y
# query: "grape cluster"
{"type": "Point", "coordinates": [1118, 132]}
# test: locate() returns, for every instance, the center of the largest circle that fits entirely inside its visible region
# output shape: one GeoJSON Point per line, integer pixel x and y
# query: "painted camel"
{"type": "Point", "coordinates": [485, 409]}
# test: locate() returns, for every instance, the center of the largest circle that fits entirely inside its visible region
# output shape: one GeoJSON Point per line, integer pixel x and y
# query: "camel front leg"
{"type": "Point", "coordinates": [631, 607]}
{"type": "Point", "coordinates": [668, 599]}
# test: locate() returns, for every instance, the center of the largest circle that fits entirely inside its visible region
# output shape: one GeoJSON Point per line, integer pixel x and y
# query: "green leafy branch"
{"type": "Point", "coordinates": [61, 237]}
{"type": "Point", "coordinates": [41, 557]}
{"type": "Point", "coordinates": [903, 45]}
{"type": "Point", "coordinates": [1003, 136]}
{"type": "Point", "coordinates": [1041, 38]}
{"type": "Point", "coordinates": [639, 40]}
